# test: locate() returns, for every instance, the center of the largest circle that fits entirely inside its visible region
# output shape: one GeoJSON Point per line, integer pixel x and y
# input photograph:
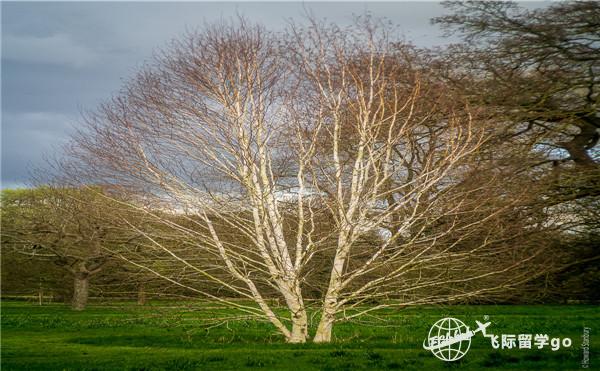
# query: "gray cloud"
{"type": "Point", "coordinates": [27, 138]}
{"type": "Point", "coordinates": [58, 49]}
{"type": "Point", "coordinates": [61, 58]}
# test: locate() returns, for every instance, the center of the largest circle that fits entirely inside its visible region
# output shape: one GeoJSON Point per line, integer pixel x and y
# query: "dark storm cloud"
{"type": "Point", "coordinates": [60, 58]}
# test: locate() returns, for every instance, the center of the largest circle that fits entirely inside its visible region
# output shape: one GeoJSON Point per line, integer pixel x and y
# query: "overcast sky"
{"type": "Point", "coordinates": [61, 58]}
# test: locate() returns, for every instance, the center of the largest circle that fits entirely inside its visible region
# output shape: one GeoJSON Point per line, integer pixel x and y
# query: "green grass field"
{"type": "Point", "coordinates": [185, 336]}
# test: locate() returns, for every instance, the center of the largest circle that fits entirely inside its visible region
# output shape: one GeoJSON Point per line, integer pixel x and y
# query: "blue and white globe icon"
{"type": "Point", "coordinates": [449, 339]}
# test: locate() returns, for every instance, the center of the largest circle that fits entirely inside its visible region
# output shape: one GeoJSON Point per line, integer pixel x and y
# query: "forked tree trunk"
{"type": "Point", "coordinates": [299, 327]}
{"type": "Point", "coordinates": [141, 298]}
{"type": "Point", "coordinates": [299, 332]}
{"type": "Point", "coordinates": [80, 291]}
{"type": "Point", "coordinates": [323, 334]}
{"type": "Point", "coordinates": [299, 318]}
{"type": "Point", "coordinates": [325, 327]}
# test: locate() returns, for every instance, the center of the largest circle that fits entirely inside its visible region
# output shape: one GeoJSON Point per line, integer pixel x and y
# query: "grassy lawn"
{"type": "Point", "coordinates": [166, 336]}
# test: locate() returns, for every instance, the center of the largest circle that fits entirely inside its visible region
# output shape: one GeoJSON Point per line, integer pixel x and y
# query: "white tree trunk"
{"type": "Point", "coordinates": [330, 303]}
{"type": "Point", "coordinates": [299, 317]}
{"type": "Point", "coordinates": [323, 334]}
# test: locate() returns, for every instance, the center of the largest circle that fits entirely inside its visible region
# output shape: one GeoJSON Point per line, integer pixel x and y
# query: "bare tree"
{"type": "Point", "coordinates": [398, 148]}
{"type": "Point", "coordinates": [260, 155]}
{"type": "Point", "coordinates": [67, 226]}
{"type": "Point", "coordinates": [538, 70]}
{"type": "Point", "coordinates": [198, 132]}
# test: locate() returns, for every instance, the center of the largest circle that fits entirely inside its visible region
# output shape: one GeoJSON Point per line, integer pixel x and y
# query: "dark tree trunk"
{"type": "Point", "coordinates": [80, 291]}
{"type": "Point", "coordinates": [580, 144]}
{"type": "Point", "coordinates": [40, 294]}
{"type": "Point", "coordinates": [141, 299]}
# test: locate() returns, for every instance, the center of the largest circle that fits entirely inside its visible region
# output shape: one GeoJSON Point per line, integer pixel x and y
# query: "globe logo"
{"type": "Point", "coordinates": [449, 339]}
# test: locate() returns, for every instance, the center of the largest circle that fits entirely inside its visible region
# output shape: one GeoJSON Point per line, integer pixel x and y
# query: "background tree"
{"type": "Point", "coordinates": [538, 72]}
{"type": "Point", "coordinates": [537, 67]}
{"type": "Point", "coordinates": [69, 226]}
{"type": "Point", "coordinates": [26, 276]}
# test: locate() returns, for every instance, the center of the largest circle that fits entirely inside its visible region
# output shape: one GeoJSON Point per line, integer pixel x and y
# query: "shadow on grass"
{"type": "Point", "coordinates": [142, 341]}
